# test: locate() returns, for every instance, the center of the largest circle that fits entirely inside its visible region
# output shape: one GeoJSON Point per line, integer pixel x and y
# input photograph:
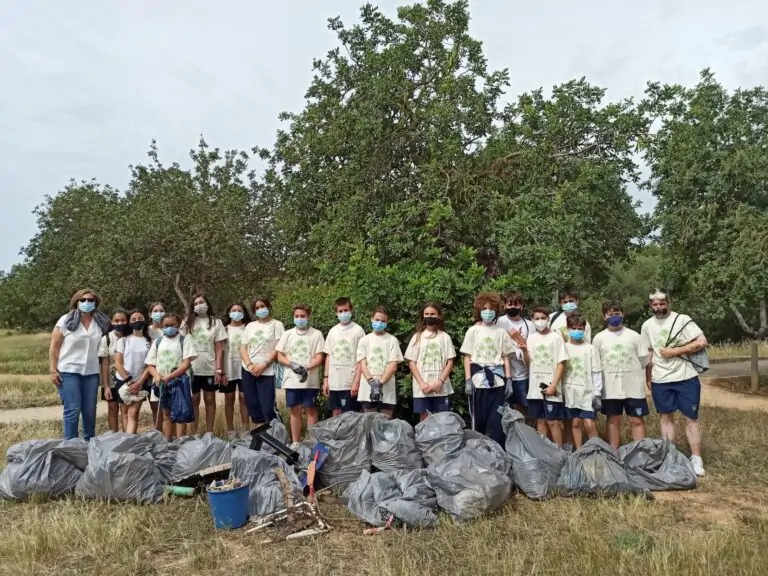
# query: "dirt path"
{"type": "Point", "coordinates": [713, 395]}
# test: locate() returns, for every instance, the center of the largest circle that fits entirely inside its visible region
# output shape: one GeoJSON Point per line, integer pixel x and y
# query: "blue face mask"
{"type": "Point", "coordinates": [86, 307]}
{"type": "Point", "coordinates": [378, 326]}
{"type": "Point", "coordinates": [614, 321]}
{"type": "Point", "coordinates": [300, 322]}
{"type": "Point", "coordinates": [344, 317]}
{"type": "Point", "coordinates": [569, 307]}
{"type": "Point", "coordinates": [261, 312]}
{"type": "Point", "coordinates": [236, 316]}
{"type": "Point", "coordinates": [157, 317]}
{"type": "Point", "coordinates": [576, 334]}
{"type": "Point", "coordinates": [488, 315]}
{"type": "Point", "coordinates": [170, 331]}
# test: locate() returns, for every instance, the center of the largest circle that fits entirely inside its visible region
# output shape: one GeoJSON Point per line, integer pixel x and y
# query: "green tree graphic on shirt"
{"type": "Point", "coordinates": [235, 340]}
{"type": "Point", "coordinates": [432, 361]}
{"type": "Point", "coordinates": [201, 338]}
{"type": "Point", "coordinates": [377, 361]}
{"type": "Point", "coordinates": [343, 354]}
{"type": "Point", "coordinates": [257, 340]}
{"type": "Point", "coordinates": [618, 359]}
{"type": "Point", "coordinates": [576, 369]}
{"type": "Point", "coordinates": [166, 361]}
{"type": "Point", "coordinates": [487, 351]}
{"type": "Point", "coordinates": [300, 352]}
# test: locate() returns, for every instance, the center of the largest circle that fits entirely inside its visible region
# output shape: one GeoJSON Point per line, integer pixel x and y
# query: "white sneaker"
{"type": "Point", "coordinates": [295, 446]}
{"type": "Point", "coordinates": [698, 465]}
{"type": "Point", "coordinates": [232, 435]}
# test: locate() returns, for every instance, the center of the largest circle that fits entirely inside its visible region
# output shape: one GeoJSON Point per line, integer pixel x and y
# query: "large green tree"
{"type": "Point", "coordinates": [709, 172]}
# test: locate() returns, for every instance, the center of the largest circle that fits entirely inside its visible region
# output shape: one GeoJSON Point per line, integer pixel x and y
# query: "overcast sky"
{"type": "Point", "coordinates": [85, 86]}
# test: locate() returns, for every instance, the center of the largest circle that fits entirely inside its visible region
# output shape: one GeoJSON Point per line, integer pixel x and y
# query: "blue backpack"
{"type": "Point", "coordinates": [180, 394]}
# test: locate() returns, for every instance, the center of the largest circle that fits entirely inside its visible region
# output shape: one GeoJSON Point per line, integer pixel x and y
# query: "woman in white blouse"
{"type": "Point", "coordinates": [74, 361]}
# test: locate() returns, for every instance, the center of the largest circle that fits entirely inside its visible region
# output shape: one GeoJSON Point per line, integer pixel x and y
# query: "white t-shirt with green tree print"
{"type": "Point", "coordinates": [203, 339]}
{"type": "Point", "coordinates": [301, 347]}
{"type": "Point", "coordinates": [170, 354]}
{"type": "Point", "coordinates": [579, 389]}
{"type": "Point", "coordinates": [260, 339]}
{"type": "Point", "coordinates": [232, 364]}
{"type": "Point", "coordinates": [378, 352]}
{"type": "Point", "coordinates": [341, 348]}
{"type": "Point", "coordinates": [620, 354]}
{"type": "Point", "coordinates": [655, 333]}
{"type": "Point", "coordinates": [546, 352]}
{"type": "Point", "coordinates": [431, 351]}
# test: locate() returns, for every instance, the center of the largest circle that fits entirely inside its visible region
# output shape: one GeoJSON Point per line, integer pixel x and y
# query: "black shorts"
{"type": "Point", "coordinates": [232, 386]}
{"type": "Point", "coordinates": [204, 383]}
{"type": "Point", "coordinates": [377, 406]}
{"type": "Point", "coordinates": [343, 400]}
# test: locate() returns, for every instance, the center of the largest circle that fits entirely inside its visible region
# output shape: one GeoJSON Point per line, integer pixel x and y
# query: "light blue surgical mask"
{"type": "Point", "coordinates": [157, 317]}
{"type": "Point", "coordinates": [300, 322]}
{"type": "Point", "coordinates": [236, 316]}
{"type": "Point", "coordinates": [261, 312]}
{"type": "Point", "coordinates": [86, 307]}
{"type": "Point", "coordinates": [488, 315]}
{"type": "Point", "coordinates": [344, 317]}
{"type": "Point", "coordinates": [378, 326]}
{"type": "Point", "coordinates": [170, 331]}
{"type": "Point", "coordinates": [576, 334]}
{"type": "Point", "coordinates": [569, 307]}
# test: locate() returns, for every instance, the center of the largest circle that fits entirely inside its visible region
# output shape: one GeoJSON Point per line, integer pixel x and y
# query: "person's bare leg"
{"type": "Point", "coordinates": [541, 427]}
{"type": "Point", "coordinates": [181, 430]}
{"type": "Point", "coordinates": [209, 399]}
{"type": "Point", "coordinates": [246, 421]}
{"type": "Point", "coordinates": [154, 407]}
{"type": "Point", "coordinates": [568, 437]}
{"type": "Point", "coordinates": [614, 431]}
{"type": "Point", "coordinates": [667, 424]}
{"type": "Point", "coordinates": [693, 434]}
{"type": "Point", "coordinates": [311, 416]}
{"type": "Point", "coordinates": [196, 406]}
{"type": "Point", "coordinates": [388, 412]}
{"type": "Point", "coordinates": [556, 430]}
{"type": "Point", "coordinates": [133, 417]}
{"type": "Point", "coordinates": [637, 426]}
{"type": "Point", "coordinates": [229, 411]}
{"type": "Point", "coordinates": [296, 424]}
{"type": "Point", "coordinates": [590, 427]}
{"type": "Point", "coordinates": [113, 414]}
{"type": "Point", "coordinates": [575, 428]}
{"type": "Point", "coordinates": [124, 416]}
{"type": "Point", "coordinates": [423, 416]}
{"type": "Point", "coordinates": [168, 425]}
{"type": "Point", "coordinates": [337, 412]}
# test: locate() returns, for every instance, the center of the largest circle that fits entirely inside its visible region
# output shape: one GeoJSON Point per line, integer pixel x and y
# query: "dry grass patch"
{"type": "Point", "coordinates": [25, 391]}
{"type": "Point", "coordinates": [24, 353]}
{"type": "Point", "coordinates": [736, 350]}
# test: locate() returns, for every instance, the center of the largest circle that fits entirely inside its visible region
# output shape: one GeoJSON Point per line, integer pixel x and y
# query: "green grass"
{"type": "Point", "coordinates": [719, 529]}
{"type": "Point", "coordinates": [24, 353]}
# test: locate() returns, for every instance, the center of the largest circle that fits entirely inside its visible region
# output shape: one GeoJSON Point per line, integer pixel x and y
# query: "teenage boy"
{"type": "Point", "coordinates": [549, 357]}
{"type": "Point", "coordinates": [300, 349]}
{"type": "Point", "coordinates": [341, 381]}
{"type": "Point", "coordinates": [558, 321]}
{"type": "Point", "coordinates": [518, 329]}
{"type": "Point", "coordinates": [671, 375]}
{"type": "Point", "coordinates": [583, 381]}
{"type": "Point", "coordinates": [624, 358]}
{"type": "Point", "coordinates": [378, 355]}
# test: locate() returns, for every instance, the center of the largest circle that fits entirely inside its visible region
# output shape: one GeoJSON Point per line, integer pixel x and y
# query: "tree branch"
{"type": "Point", "coordinates": [742, 322]}
{"type": "Point", "coordinates": [180, 293]}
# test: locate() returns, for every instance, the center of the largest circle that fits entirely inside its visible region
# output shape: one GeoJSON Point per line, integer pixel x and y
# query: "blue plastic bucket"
{"type": "Point", "coordinates": [229, 508]}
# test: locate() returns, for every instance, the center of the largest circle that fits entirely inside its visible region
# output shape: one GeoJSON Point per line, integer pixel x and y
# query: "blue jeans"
{"type": "Point", "coordinates": [78, 393]}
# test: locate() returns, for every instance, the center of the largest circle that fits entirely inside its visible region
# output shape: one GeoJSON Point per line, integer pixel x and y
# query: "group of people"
{"type": "Point", "coordinates": [548, 367]}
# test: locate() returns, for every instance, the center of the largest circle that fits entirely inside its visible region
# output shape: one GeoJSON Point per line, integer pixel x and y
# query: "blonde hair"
{"type": "Point", "coordinates": [79, 294]}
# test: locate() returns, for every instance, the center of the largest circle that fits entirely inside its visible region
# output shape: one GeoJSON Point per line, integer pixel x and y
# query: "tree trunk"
{"type": "Point", "coordinates": [180, 293]}
{"type": "Point", "coordinates": [762, 332]}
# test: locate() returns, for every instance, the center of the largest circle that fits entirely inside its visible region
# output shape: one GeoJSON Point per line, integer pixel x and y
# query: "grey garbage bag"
{"type": "Point", "coordinates": [394, 446]}
{"type": "Point", "coordinates": [468, 486]}
{"type": "Point", "coordinates": [47, 467]}
{"type": "Point", "coordinates": [595, 470]}
{"type": "Point", "coordinates": [195, 455]}
{"type": "Point", "coordinates": [492, 453]}
{"type": "Point", "coordinates": [258, 470]}
{"type": "Point", "coordinates": [347, 437]}
{"type": "Point", "coordinates": [122, 477]}
{"type": "Point", "coordinates": [279, 432]}
{"type": "Point", "coordinates": [536, 461]}
{"type": "Point", "coordinates": [406, 495]}
{"type": "Point", "coordinates": [150, 444]}
{"type": "Point", "coordinates": [439, 435]}
{"type": "Point", "coordinates": [657, 465]}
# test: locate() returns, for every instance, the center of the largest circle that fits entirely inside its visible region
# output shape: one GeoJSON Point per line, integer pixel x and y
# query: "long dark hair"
{"type": "Point", "coordinates": [226, 320]}
{"type": "Point", "coordinates": [421, 326]}
{"type": "Point", "coordinates": [190, 321]}
{"type": "Point", "coordinates": [145, 331]}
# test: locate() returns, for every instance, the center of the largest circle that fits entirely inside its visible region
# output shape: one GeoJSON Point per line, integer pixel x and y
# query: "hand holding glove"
{"type": "Point", "coordinates": [509, 390]}
{"type": "Point", "coordinates": [468, 387]}
{"type": "Point", "coordinates": [375, 389]}
{"type": "Point", "coordinates": [597, 403]}
{"type": "Point", "coordinates": [299, 370]}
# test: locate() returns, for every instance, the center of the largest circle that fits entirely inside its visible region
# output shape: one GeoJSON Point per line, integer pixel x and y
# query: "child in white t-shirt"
{"type": "Point", "coordinates": [300, 349]}
{"type": "Point", "coordinates": [109, 390]}
{"type": "Point", "coordinates": [430, 356]}
{"type": "Point", "coordinates": [131, 370]}
{"type": "Point", "coordinates": [155, 329]}
{"type": "Point", "coordinates": [378, 355]}
{"type": "Point", "coordinates": [341, 381]}
{"type": "Point", "coordinates": [583, 381]}
{"type": "Point", "coordinates": [518, 329]}
{"type": "Point", "coordinates": [569, 303]}
{"type": "Point", "coordinates": [235, 320]}
{"type": "Point", "coordinates": [487, 372]}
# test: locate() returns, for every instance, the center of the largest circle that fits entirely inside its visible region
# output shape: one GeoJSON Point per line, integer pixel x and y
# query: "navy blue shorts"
{"type": "Point", "coordinates": [484, 405]}
{"type": "Point", "coordinates": [637, 407]}
{"type": "Point", "coordinates": [432, 404]}
{"type": "Point", "coordinates": [259, 396]}
{"type": "Point", "coordinates": [520, 396]}
{"type": "Point", "coordinates": [376, 406]}
{"type": "Point", "coordinates": [546, 410]}
{"type": "Point", "coordinates": [343, 400]}
{"type": "Point", "coordinates": [231, 387]}
{"type": "Point", "coordinates": [300, 397]}
{"type": "Point", "coordinates": [571, 413]}
{"type": "Point", "coordinates": [204, 383]}
{"type": "Point", "coordinates": [683, 396]}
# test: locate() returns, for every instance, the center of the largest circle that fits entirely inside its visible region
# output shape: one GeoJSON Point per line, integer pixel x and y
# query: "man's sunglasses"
{"type": "Point", "coordinates": [87, 299]}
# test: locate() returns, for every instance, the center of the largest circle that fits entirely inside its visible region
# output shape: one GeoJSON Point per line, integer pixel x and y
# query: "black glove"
{"type": "Point", "coordinates": [509, 390]}
{"type": "Point", "coordinates": [543, 387]}
{"type": "Point", "coordinates": [375, 385]}
{"type": "Point", "coordinates": [468, 387]}
{"type": "Point", "coordinates": [299, 370]}
{"type": "Point", "coordinates": [597, 403]}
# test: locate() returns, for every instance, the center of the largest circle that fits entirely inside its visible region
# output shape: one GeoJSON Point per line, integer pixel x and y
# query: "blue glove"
{"type": "Point", "coordinates": [509, 390]}
{"type": "Point", "coordinates": [597, 403]}
{"type": "Point", "coordinates": [375, 389]}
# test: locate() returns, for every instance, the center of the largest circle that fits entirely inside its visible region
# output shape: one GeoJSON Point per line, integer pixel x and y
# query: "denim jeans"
{"type": "Point", "coordinates": [79, 395]}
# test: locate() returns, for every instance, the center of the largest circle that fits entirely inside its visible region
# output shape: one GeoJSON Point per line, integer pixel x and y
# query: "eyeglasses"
{"type": "Point", "coordinates": [87, 299]}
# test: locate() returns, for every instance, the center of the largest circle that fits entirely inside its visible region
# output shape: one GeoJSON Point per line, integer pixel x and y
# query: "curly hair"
{"type": "Point", "coordinates": [483, 299]}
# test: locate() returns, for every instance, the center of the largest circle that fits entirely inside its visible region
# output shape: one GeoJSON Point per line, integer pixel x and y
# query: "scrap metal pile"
{"type": "Point", "coordinates": [387, 471]}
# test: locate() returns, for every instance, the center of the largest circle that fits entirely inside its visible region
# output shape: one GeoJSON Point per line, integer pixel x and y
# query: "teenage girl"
{"type": "Point", "coordinates": [207, 335]}
{"type": "Point", "coordinates": [156, 314]}
{"type": "Point", "coordinates": [109, 387]}
{"type": "Point", "coordinates": [235, 319]}
{"type": "Point", "coordinates": [131, 370]}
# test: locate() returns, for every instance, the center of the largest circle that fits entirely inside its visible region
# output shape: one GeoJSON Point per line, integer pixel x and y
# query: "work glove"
{"type": "Point", "coordinates": [597, 403]}
{"type": "Point", "coordinates": [468, 387]}
{"type": "Point", "coordinates": [299, 370]}
{"type": "Point", "coordinates": [509, 390]}
{"type": "Point", "coordinates": [543, 387]}
{"type": "Point", "coordinates": [375, 389]}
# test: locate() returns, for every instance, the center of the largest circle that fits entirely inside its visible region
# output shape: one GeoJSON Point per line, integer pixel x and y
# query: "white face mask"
{"type": "Point", "coordinates": [201, 308]}
{"type": "Point", "coordinates": [541, 325]}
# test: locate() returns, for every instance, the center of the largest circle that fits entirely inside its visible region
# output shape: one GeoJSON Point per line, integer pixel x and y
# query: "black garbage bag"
{"type": "Point", "coordinates": [658, 465]}
{"type": "Point", "coordinates": [595, 470]}
{"type": "Point", "coordinates": [394, 446]}
{"type": "Point", "coordinates": [439, 435]}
